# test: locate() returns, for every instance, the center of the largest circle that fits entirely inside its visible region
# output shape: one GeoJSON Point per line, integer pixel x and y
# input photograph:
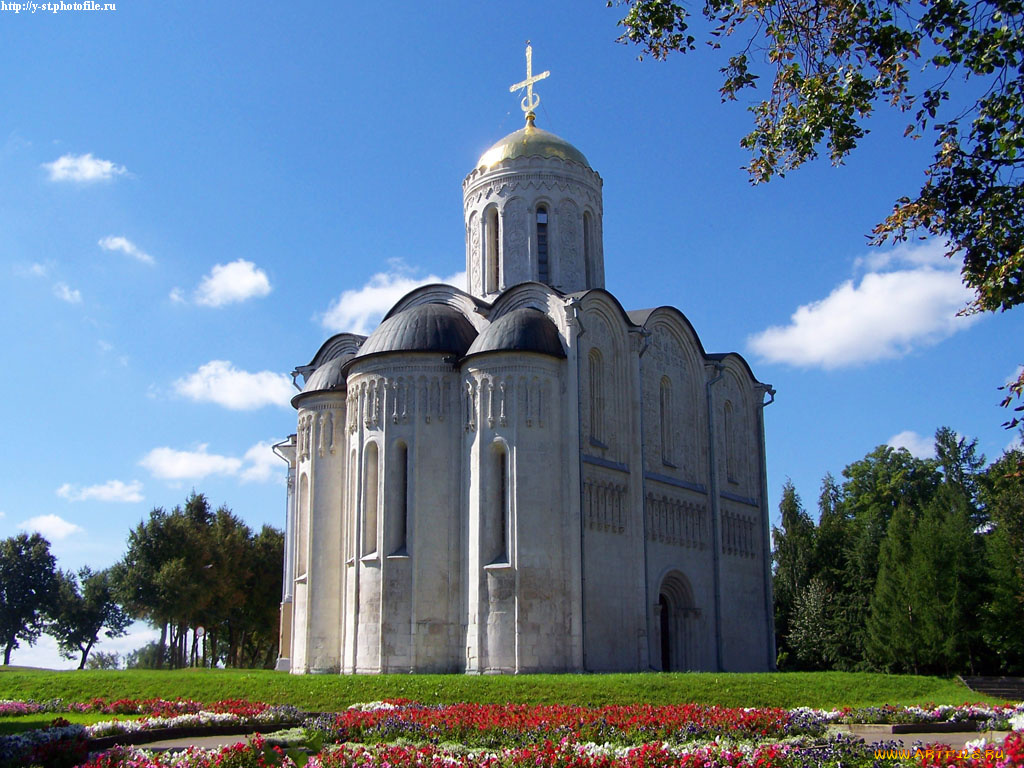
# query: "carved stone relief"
{"type": "Point", "coordinates": [569, 267]}
{"type": "Point", "coordinates": [674, 521]}
{"type": "Point", "coordinates": [605, 505]}
{"type": "Point", "coordinates": [738, 534]}
{"type": "Point", "coordinates": [515, 260]}
{"type": "Point", "coordinates": [474, 254]}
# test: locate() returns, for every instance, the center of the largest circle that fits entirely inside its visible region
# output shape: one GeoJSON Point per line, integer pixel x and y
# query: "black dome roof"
{"type": "Point", "coordinates": [423, 328]}
{"type": "Point", "coordinates": [521, 330]}
{"type": "Point", "coordinates": [328, 376]}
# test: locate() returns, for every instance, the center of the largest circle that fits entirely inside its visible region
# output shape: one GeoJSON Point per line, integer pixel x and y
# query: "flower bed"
{"type": "Point", "coordinates": [494, 725]}
{"type": "Point", "coordinates": [148, 707]}
{"type": "Point", "coordinates": [832, 753]}
{"type": "Point", "coordinates": [64, 743]}
{"type": "Point", "coordinates": [401, 733]}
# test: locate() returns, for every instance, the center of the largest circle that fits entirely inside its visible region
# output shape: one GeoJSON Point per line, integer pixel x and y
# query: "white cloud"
{"type": "Point", "coordinates": [258, 464]}
{"type": "Point", "coordinates": [358, 311]}
{"type": "Point", "coordinates": [64, 292]}
{"type": "Point", "coordinates": [218, 381]}
{"type": "Point", "coordinates": [919, 445]}
{"type": "Point", "coordinates": [176, 296]}
{"type": "Point", "coordinates": [112, 490]}
{"type": "Point", "coordinates": [927, 254]}
{"type": "Point", "coordinates": [50, 526]}
{"type": "Point", "coordinates": [885, 315]}
{"type": "Point", "coordinates": [230, 283]}
{"type": "Point", "coordinates": [169, 464]}
{"type": "Point", "coordinates": [127, 247]}
{"type": "Point", "coordinates": [83, 168]}
{"type": "Point", "coordinates": [2, 514]}
{"type": "Point", "coordinates": [32, 270]}
{"type": "Point", "coordinates": [262, 464]}
{"type": "Point", "coordinates": [1015, 375]}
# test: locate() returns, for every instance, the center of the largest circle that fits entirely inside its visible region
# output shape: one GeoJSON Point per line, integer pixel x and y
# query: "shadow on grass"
{"type": "Point", "coordinates": [11, 725]}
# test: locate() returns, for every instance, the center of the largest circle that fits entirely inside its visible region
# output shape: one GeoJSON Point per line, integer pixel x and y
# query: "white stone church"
{"type": "Point", "coordinates": [525, 476]}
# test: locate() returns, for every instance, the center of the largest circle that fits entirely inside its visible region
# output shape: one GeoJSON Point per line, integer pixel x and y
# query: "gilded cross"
{"type": "Point", "coordinates": [530, 100]}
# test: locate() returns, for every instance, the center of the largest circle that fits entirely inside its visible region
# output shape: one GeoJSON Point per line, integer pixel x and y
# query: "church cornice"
{"type": "Point", "coordinates": [505, 186]}
{"type": "Point", "coordinates": [538, 166]}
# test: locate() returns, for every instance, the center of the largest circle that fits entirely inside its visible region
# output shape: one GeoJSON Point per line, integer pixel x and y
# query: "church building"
{"type": "Point", "coordinates": [524, 476]}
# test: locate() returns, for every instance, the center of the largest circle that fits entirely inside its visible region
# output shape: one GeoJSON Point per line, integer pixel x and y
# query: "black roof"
{"type": "Point", "coordinates": [423, 328]}
{"type": "Point", "coordinates": [522, 330]}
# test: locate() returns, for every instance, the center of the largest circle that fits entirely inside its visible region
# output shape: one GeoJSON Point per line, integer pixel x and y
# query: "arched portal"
{"type": "Point", "coordinates": [676, 617]}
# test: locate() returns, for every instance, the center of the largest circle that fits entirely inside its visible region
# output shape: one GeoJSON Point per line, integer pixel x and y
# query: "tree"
{"type": "Point", "coordinates": [794, 560]}
{"type": "Point", "coordinates": [876, 486]}
{"type": "Point", "coordinates": [961, 466]}
{"type": "Point", "coordinates": [27, 587]}
{"type": "Point", "coordinates": [1002, 493]}
{"type": "Point", "coordinates": [832, 62]}
{"type": "Point", "coordinates": [948, 565]}
{"type": "Point", "coordinates": [103, 660]}
{"type": "Point", "coordinates": [193, 567]}
{"type": "Point", "coordinates": [892, 630]}
{"type": "Point", "coordinates": [150, 656]}
{"type": "Point", "coordinates": [82, 609]}
{"type": "Point", "coordinates": [811, 638]}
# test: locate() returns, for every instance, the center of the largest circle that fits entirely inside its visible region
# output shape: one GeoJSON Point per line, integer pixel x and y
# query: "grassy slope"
{"type": "Point", "coordinates": [333, 692]}
{"type": "Point", "coordinates": [19, 723]}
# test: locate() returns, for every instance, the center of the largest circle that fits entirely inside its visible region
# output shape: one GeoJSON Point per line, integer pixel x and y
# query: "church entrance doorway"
{"type": "Point", "coordinates": [666, 634]}
{"type": "Point", "coordinates": [676, 615]}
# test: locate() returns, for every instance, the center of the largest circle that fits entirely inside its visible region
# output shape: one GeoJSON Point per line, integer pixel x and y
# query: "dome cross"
{"type": "Point", "coordinates": [530, 100]}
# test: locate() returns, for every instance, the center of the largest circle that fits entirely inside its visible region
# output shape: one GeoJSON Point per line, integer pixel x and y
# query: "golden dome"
{"type": "Point", "coordinates": [531, 141]}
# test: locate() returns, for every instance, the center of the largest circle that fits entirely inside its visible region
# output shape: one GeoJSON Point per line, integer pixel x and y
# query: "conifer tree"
{"type": "Point", "coordinates": [794, 560]}
{"type": "Point", "coordinates": [892, 629]}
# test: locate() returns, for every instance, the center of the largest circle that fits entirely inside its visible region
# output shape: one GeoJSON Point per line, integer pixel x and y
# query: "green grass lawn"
{"type": "Point", "coordinates": [20, 723]}
{"type": "Point", "coordinates": [333, 692]}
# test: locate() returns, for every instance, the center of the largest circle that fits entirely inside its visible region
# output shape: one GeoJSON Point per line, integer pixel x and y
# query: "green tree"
{"type": "Point", "coordinates": [83, 608]}
{"type": "Point", "coordinates": [892, 640]}
{"type": "Point", "coordinates": [961, 466]}
{"type": "Point", "coordinates": [103, 660]}
{"type": "Point", "coordinates": [150, 656]}
{"type": "Point", "coordinates": [812, 639]}
{"type": "Point", "coordinates": [27, 588]}
{"type": "Point", "coordinates": [955, 66]}
{"type": "Point", "coordinates": [1002, 493]}
{"type": "Point", "coordinates": [949, 579]}
{"type": "Point", "coordinates": [194, 567]}
{"type": "Point", "coordinates": [794, 561]}
{"type": "Point", "coordinates": [876, 486]}
{"type": "Point", "coordinates": [833, 536]}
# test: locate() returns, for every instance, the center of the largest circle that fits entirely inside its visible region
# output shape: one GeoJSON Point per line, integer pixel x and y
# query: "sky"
{"type": "Point", "coordinates": [194, 196]}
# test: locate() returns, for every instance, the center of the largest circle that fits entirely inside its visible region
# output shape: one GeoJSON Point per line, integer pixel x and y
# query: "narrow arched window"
{"type": "Point", "coordinates": [353, 486]}
{"type": "Point", "coordinates": [542, 244]}
{"type": "Point", "coordinates": [302, 534]}
{"type": "Point", "coordinates": [398, 508]}
{"type": "Point", "coordinates": [492, 238]}
{"type": "Point", "coordinates": [371, 479]}
{"type": "Point", "coordinates": [499, 505]}
{"type": "Point", "coordinates": [588, 255]}
{"type": "Point", "coordinates": [596, 396]}
{"type": "Point", "coordinates": [667, 426]}
{"type": "Point", "coordinates": [729, 429]}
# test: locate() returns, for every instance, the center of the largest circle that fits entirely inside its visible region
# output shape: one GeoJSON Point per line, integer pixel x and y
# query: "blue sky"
{"type": "Point", "coordinates": [194, 196]}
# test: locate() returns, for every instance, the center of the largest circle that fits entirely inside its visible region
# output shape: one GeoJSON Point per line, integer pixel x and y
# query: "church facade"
{"type": "Point", "coordinates": [524, 476]}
